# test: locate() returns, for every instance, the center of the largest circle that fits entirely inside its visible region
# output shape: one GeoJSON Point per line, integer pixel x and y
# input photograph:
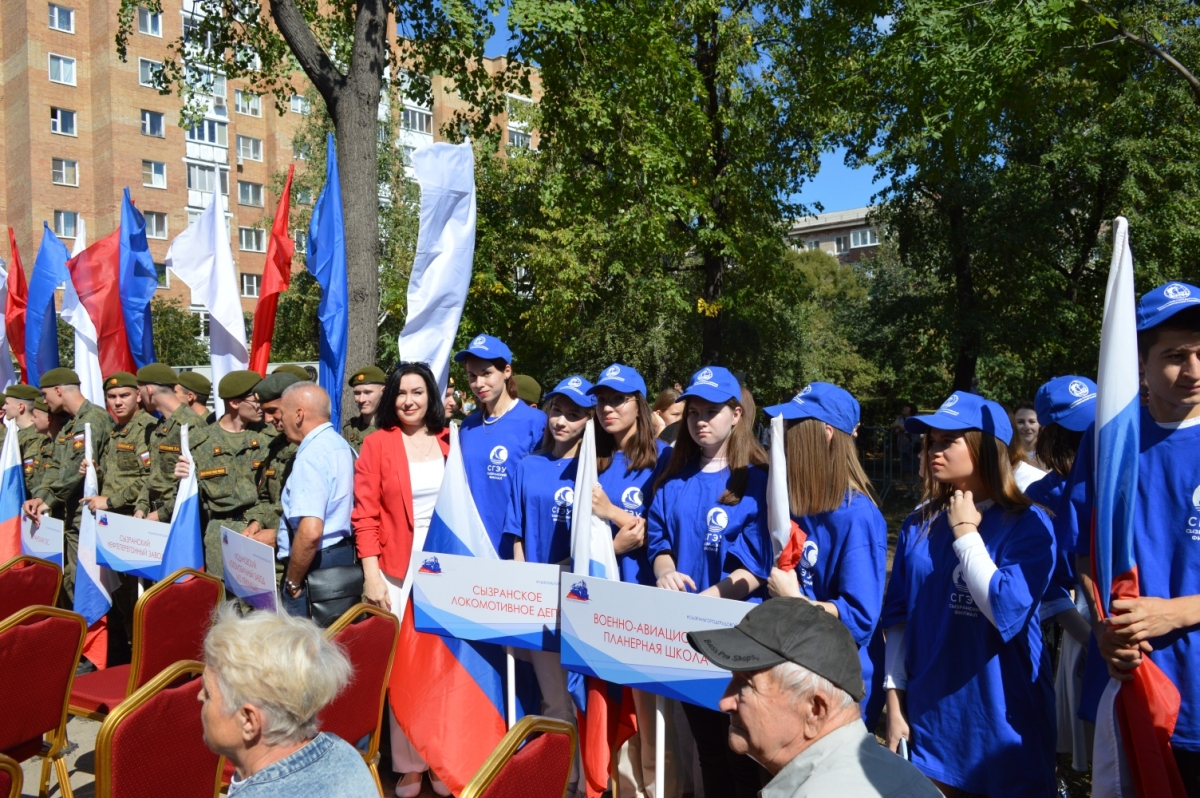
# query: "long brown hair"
{"type": "Point", "coordinates": [741, 451]}
{"type": "Point", "coordinates": [666, 397]}
{"type": "Point", "coordinates": [547, 444]}
{"type": "Point", "coordinates": [1057, 446]}
{"type": "Point", "coordinates": [641, 451]}
{"type": "Point", "coordinates": [991, 459]}
{"type": "Point", "coordinates": [819, 472]}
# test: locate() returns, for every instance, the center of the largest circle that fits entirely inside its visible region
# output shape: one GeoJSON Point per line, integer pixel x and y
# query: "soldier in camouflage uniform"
{"type": "Point", "coordinates": [48, 425]}
{"type": "Point", "coordinates": [272, 472]}
{"type": "Point", "coordinates": [18, 405]}
{"type": "Point", "coordinates": [193, 390]}
{"type": "Point", "coordinates": [62, 484]}
{"type": "Point", "coordinates": [367, 384]}
{"type": "Point", "coordinates": [224, 455]}
{"type": "Point", "coordinates": [157, 500]}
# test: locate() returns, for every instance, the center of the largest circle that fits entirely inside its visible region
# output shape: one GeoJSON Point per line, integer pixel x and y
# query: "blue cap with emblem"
{"type": "Point", "coordinates": [620, 378]}
{"type": "Point", "coordinates": [962, 411]}
{"type": "Point", "coordinates": [1068, 402]}
{"type": "Point", "coordinates": [714, 384]}
{"type": "Point", "coordinates": [485, 347]}
{"type": "Point", "coordinates": [1164, 302]}
{"type": "Point", "coordinates": [577, 389]}
{"type": "Point", "coordinates": [824, 401]}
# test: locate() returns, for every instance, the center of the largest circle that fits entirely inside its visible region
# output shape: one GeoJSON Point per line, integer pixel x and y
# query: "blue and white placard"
{"type": "Point", "coordinates": [498, 601]}
{"type": "Point", "coordinates": [130, 545]}
{"type": "Point", "coordinates": [249, 570]}
{"type": "Point", "coordinates": [44, 540]}
{"type": "Point", "coordinates": [637, 636]}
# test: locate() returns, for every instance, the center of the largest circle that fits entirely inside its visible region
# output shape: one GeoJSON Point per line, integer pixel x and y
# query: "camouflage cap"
{"type": "Point", "coordinates": [237, 384]}
{"type": "Point", "coordinates": [369, 375]}
{"type": "Point", "coordinates": [157, 374]}
{"type": "Point", "coordinates": [292, 368]}
{"type": "Point", "coordinates": [59, 376]}
{"type": "Point", "coordinates": [274, 385]}
{"type": "Point", "coordinates": [26, 393]}
{"type": "Point", "coordinates": [120, 379]}
{"type": "Point", "coordinates": [196, 383]}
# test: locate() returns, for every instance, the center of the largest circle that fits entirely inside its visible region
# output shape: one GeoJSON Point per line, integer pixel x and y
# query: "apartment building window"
{"type": "Point", "coordinates": [156, 224]}
{"type": "Point", "coordinates": [252, 239]}
{"type": "Point", "coordinates": [247, 102]}
{"type": "Point", "coordinates": [863, 238]}
{"type": "Point", "coordinates": [62, 69]}
{"type": "Point", "coordinates": [300, 104]}
{"type": "Point", "coordinates": [202, 315]}
{"type": "Point", "coordinates": [249, 148]}
{"type": "Point", "coordinates": [250, 193]}
{"type": "Point", "coordinates": [247, 57]}
{"type": "Point", "coordinates": [205, 81]}
{"type": "Point", "coordinates": [299, 152]}
{"type": "Point", "coordinates": [193, 37]}
{"type": "Point", "coordinates": [64, 172]}
{"type": "Point", "coordinates": [300, 239]}
{"type": "Point", "coordinates": [164, 279]}
{"type": "Point", "coordinates": [154, 174]}
{"type": "Point", "coordinates": [210, 132]}
{"type": "Point", "coordinates": [814, 244]}
{"type": "Point", "coordinates": [204, 178]}
{"type": "Point", "coordinates": [304, 196]}
{"type": "Point", "coordinates": [519, 138]}
{"type": "Point", "coordinates": [62, 18]}
{"type": "Point", "coordinates": [251, 284]}
{"type": "Point", "coordinates": [64, 223]}
{"type": "Point", "coordinates": [148, 72]}
{"type": "Point", "coordinates": [149, 23]}
{"type": "Point", "coordinates": [62, 121]}
{"type": "Point", "coordinates": [416, 121]}
{"type": "Point", "coordinates": [152, 124]}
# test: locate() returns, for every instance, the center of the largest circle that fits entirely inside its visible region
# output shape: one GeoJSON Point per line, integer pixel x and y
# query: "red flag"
{"type": "Point", "coordinates": [277, 274]}
{"type": "Point", "coordinates": [789, 558]}
{"type": "Point", "coordinates": [95, 644]}
{"type": "Point", "coordinates": [95, 273]}
{"type": "Point", "coordinates": [14, 307]}
{"type": "Point", "coordinates": [610, 720]}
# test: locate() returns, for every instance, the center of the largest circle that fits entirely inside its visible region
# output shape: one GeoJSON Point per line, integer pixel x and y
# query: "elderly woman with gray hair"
{"type": "Point", "coordinates": [266, 678]}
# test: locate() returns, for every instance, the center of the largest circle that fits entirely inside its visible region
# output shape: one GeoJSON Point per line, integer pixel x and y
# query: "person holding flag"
{"type": "Point", "coordinates": [157, 382]}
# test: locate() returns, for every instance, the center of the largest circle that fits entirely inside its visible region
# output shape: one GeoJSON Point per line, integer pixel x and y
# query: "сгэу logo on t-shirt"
{"type": "Point", "coordinates": [717, 520]}
{"type": "Point", "coordinates": [563, 499]}
{"type": "Point", "coordinates": [631, 499]}
{"type": "Point", "coordinates": [961, 601]}
{"type": "Point", "coordinates": [497, 459]}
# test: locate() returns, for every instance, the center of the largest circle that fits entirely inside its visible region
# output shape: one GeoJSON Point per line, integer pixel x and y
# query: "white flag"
{"type": "Point", "coordinates": [94, 584]}
{"type": "Point", "coordinates": [8, 375]}
{"type": "Point", "coordinates": [441, 272]}
{"type": "Point", "coordinates": [87, 351]}
{"type": "Point", "coordinates": [591, 538]}
{"type": "Point", "coordinates": [779, 517]}
{"type": "Point", "coordinates": [201, 257]}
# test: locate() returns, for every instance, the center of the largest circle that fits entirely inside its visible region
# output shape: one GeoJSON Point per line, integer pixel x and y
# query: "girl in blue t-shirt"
{"type": "Point", "coordinates": [707, 533]}
{"type": "Point", "coordinates": [844, 561]}
{"type": "Point", "coordinates": [967, 676]}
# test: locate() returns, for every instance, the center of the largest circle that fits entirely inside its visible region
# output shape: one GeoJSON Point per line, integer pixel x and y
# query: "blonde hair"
{"type": "Point", "coordinates": [279, 663]}
{"type": "Point", "coordinates": [821, 472]}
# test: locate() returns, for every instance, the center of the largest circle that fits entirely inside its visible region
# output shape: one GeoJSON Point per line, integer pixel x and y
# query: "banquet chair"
{"type": "Point", "coordinates": [170, 621]}
{"type": "Point", "coordinates": [10, 777]}
{"type": "Point", "coordinates": [538, 769]}
{"type": "Point", "coordinates": [39, 652]}
{"type": "Point", "coordinates": [152, 744]}
{"type": "Point", "coordinates": [26, 582]}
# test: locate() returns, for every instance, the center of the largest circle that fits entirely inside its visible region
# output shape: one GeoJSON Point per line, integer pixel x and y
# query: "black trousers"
{"type": "Point", "coordinates": [1189, 768]}
{"type": "Point", "coordinates": [725, 774]}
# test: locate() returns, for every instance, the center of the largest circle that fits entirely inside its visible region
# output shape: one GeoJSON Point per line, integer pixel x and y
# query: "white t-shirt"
{"type": "Point", "coordinates": [426, 479]}
{"type": "Point", "coordinates": [1026, 475]}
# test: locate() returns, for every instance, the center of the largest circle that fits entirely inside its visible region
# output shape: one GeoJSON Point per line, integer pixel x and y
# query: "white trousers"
{"type": "Point", "coordinates": [635, 764]}
{"type": "Point", "coordinates": [405, 758]}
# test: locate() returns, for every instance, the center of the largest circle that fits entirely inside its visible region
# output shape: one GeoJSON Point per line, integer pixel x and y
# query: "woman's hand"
{"type": "Point", "coordinates": [897, 723]}
{"type": "Point", "coordinates": [602, 506]}
{"type": "Point", "coordinates": [964, 518]}
{"type": "Point", "coordinates": [375, 589]}
{"type": "Point", "coordinates": [783, 583]}
{"type": "Point", "coordinates": [630, 537]}
{"type": "Point", "coordinates": [674, 580]}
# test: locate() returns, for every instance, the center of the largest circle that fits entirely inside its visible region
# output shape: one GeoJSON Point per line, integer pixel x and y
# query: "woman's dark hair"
{"type": "Point", "coordinates": [1057, 446]}
{"type": "Point", "coordinates": [909, 405]}
{"type": "Point", "coordinates": [435, 409]}
{"type": "Point", "coordinates": [641, 452]}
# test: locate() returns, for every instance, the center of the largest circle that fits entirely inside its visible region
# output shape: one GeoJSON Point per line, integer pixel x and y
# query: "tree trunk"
{"type": "Point", "coordinates": [964, 287]}
{"type": "Point", "coordinates": [712, 252]}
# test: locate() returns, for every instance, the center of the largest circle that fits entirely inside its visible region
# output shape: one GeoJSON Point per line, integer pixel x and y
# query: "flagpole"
{"type": "Point", "coordinates": [510, 693]}
{"type": "Point", "coordinates": [660, 744]}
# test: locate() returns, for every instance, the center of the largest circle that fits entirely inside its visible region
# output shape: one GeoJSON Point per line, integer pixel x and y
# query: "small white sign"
{"type": "Point", "coordinates": [44, 540]}
{"type": "Point", "coordinates": [130, 545]}
{"type": "Point", "coordinates": [249, 570]}
{"type": "Point", "coordinates": [498, 601]}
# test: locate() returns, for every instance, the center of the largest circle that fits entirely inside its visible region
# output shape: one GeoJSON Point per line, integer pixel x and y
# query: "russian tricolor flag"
{"type": "Point", "coordinates": [451, 706]}
{"type": "Point", "coordinates": [1135, 719]}
{"type": "Point", "coordinates": [93, 584]}
{"type": "Point", "coordinates": [12, 493]}
{"type": "Point", "coordinates": [185, 544]}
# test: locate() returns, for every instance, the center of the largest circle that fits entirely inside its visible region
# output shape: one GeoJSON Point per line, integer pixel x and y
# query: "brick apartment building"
{"type": "Point", "coordinates": [78, 125]}
{"type": "Point", "coordinates": [847, 235]}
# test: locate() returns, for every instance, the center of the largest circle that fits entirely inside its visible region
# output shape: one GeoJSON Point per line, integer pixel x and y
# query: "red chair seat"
{"type": "Point", "coordinates": [25, 750]}
{"type": "Point", "coordinates": [540, 768]}
{"type": "Point", "coordinates": [100, 691]}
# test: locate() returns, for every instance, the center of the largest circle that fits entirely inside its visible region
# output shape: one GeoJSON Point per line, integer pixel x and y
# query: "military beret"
{"type": "Point", "coordinates": [26, 393]}
{"type": "Point", "coordinates": [291, 368]}
{"type": "Point", "coordinates": [40, 404]}
{"type": "Point", "coordinates": [370, 375]}
{"type": "Point", "coordinates": [528, 389]}
{"type": "Point", "coordinates": [120, 379]}
{"type": "Point", "coordinates": [157, 374]}
{"type": "Point", "coordinates": [59, 376]}
{"type": "Point", "coordinates": [237, 384]}
{"type": "Point", "coordinates": [196, 383]}
{"type": "Point", "coordinates": [274, 385]}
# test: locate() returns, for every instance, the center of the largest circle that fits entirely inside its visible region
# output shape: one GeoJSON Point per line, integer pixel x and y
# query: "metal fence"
{"type": "Point", "coordinates": [890, 459]}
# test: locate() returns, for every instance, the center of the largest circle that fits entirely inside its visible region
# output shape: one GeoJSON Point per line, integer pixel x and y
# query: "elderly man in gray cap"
{"type": "Point", "coordinates": [793, 705]}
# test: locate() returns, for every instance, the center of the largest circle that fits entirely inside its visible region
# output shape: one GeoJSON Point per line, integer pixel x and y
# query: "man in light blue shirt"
{"type": "Point", "coordinates": [318, 496]}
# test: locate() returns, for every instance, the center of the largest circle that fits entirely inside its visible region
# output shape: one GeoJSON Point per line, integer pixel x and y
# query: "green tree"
{"type": "Point", "coordinates": [176, 334]}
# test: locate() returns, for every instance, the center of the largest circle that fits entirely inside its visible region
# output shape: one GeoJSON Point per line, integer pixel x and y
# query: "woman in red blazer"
{"type": "Point", "coordinates": [396, 482]}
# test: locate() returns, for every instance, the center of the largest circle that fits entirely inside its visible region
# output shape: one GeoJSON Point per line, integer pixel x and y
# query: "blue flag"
{"type": "Point", "coordinates": [139, 281]}
{"type": "Point", "coordinates": [326, 261]}
{"type": "Point", "coordinates": [41, 322]}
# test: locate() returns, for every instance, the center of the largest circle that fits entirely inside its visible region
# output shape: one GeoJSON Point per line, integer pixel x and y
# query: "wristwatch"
{"type": "Point", "coordinates": [291, 587]}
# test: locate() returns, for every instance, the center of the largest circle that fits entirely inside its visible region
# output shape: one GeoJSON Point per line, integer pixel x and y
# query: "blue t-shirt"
{"type": "Point", "coordinates": [709, 540]}
{"type": "Point", "coordinates": [1047, 492]}
{"type": "Point", "coordinates": [539, 509]}
{"type": "Point", "coordinates": [980, 698]}
{"type": "Point", "coordinates": [490, 455]}
{"type": "Point", "coordinates": [631, 491]}
{"type": "Point", "coordinates": [1166, 545]}
{"type": "Point", "coordinates": [844, 562]}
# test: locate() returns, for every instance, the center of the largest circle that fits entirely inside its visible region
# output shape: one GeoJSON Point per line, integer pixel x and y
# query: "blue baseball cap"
{"type": "Point", "coordinates": [714, 384]}
{"type": "Point", "coordinates": [577, 389]}
{"type": "Point", "coordinates": [1068, 402]}
{"type": "Point", "coordinates": [962, 411]}
{"type": "Point", "coordinates": [1164, 302]}
{"type": "Point", "coordinates": [823, 401]}
{"type": "Point", "coordinates": [621, 378]}
{"type": "Point", "coordinates": [487, 348]}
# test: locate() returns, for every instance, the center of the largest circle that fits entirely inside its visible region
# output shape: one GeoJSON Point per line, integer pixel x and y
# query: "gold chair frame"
{"type": "Point", "coordinates": [512, 741]}
{"type": "Point", "coordinates": [13, 768]}
{"type": "Point", "coordinates": [28, 558]}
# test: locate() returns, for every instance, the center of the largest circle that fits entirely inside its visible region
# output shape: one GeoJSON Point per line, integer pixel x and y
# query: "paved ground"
{"type": "Point", "coordinates": [80, 762]}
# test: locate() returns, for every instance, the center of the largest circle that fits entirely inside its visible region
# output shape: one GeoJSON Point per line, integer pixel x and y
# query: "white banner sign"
{"type": "Point", "coordinates": [130, 545]}
{"type": "Point", "coordinates": [499, 601]}
{"type": "Point", "coordinates": [249, 570]}
{"type": "Point", "coordinates": [637, 636]}
{"type": "Point", "coordinates": [44, 540]}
